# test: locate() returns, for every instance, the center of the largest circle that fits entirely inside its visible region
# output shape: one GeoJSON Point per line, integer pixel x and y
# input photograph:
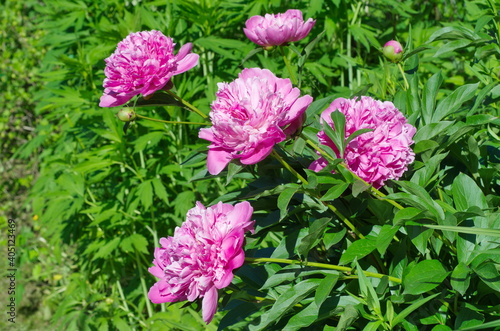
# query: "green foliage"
{"type": "Point", "coordinates": [425, 253]}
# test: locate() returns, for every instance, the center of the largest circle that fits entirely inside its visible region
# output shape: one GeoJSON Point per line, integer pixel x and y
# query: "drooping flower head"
{"type": "Point", "coordinates": [393, 50]}
{"type": "Point", "coordinates": [250, 115]}
{"type": "Point", "coordinates": [278, 29]}
{"type": "Point", "coordinates": [143, 63]}
{"type": "Point", "coordinates": [201, 256]}
{"type": "Point", "coordinates": [374, 156]}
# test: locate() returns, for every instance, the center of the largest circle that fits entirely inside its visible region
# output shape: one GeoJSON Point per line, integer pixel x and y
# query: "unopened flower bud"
{"type": "Point", "coordinates": [126, 115]}
{"type": "Point", "coordinates": [393, 51]}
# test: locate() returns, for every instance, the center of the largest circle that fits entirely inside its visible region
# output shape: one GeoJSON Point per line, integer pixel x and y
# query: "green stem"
{"type": "Point", "coordinates": [170, 122]}
{"type": "Point", "coordinates": [288, 167]}
{"type": "Point", "coordinates": [144, 287]}
{"type": "Point", "coordinates": [407, 86]}
{"type": "Point", "coordinates": [379, 195]}
{"type": "Point", "coordinates": [305, 182]}
{"type": "Point", "coordinates": [346, 270]}
{"type": "Point", "coordinates": [288, 65]}
{"type": "Point", "coordinates": [187, 104]}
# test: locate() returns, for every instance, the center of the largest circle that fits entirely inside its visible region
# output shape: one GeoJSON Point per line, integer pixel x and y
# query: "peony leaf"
{"type": "Point", "coordinates": [358, 249]}
{"type": "Point", "coordinates": [429, 94]}
{"type": "Point", "coordinates": [454, 101]}
{"type": "Point", "coordinates": [325, 287]}
{"type": "Point", "coordinates": [424, 276]}
{"type": "Point", "coordinates": [334, 192]}
{"type": "Point", "coordinates": [293, 295]}
{"type": "Point", "coordinates": [285, 197]}
{"type": "Point", "coordinates": [356, 134]}
{"type": "Point", "coordinates": [414, 306]}
{"type": "Point", "coordinates": [316, 231]}
{"type": "Point", "coordinates": [460, 278]}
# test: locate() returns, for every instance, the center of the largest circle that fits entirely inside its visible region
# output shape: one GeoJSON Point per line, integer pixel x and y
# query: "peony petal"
{"type": "Point", "coordinates": [209, 304]}
{"type": "Point", "coordinates": [188, 62]}
{"type": "Point", "coordinates": [184, 50]}
{"type": "Point", "coordinates": [277, 29]}
{"type": "Point", "coordinates": [143, 63]}
{"type": "Point", "coordinates": [109, 100]}
{"type": "Point", "coordinates": [217, 160]}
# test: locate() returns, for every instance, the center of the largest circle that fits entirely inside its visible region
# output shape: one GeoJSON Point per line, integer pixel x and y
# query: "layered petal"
{"type": "Point", "coordinates": [143, 63]}
{"type": "Point", "coordinates": [201, 256]}
{"type": "Point", "coordinates": [378, 155]}
{"type": "Point", "coordinates": [277, 29]}
{"type": "Point", "coordinates": [249, 116]}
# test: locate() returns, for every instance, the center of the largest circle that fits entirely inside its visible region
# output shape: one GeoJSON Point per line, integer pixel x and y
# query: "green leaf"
{"type": "Point", "coordinates": [452, 33]}
{"type": "Point", "coordinates": [441, 327]}
{"type": "Point", "coordinates": [367, 291]}
{"type": "Point", "coordinates": [330, 239]}
{"type": "Point", "coordinates": [337, 133]}
{"type": "Point", "coordinates": [135, 242]}
{"type": "Point", "coordinates": [358, 249]}
{"type": "Point", "coordinates": [452, 102]}
{"type": "Point", "coordinates": [229, 48]}
{"type": "Point", "coordinates": [419, 203]}
{"type": "Point", "coordinates": [356, 134]}
{"type": "Point", "coordinates": [488, 325]}
{"type": "Point", "coordinates": [451, 46]}
{"type": "Point", "coordinates": [316, 231]}
{"type": "Point", "coordinates": [347, 318]}
{"type": "Point", "coordinates": [467, 318]}
{"type": "Point", "coordinates": [385, 237]}
{"type": "Point", "coordinates": [105, 251]}
{"type": "Point", "coordinates": [334, 192]}
{"type": "Point", "coordinates": [429, 131]}
{"type": "Point", "coordinates": [423, 176]}
{"type": "Point", "coordinates": [252, 53]}
{"type": "Point", "coordinates": [307, 50]}
{"type": "Point", "coordinates": [485, 266]}
{"type": "Point", "coordinates": [303, 318]}
{"type": "Point", "coordinates": [408, 310]}
{"type": "Point", "coordinates": [466, 193]}
{"type": "Point", "coordinates": [285, 197]}
{"type": "Point", "coordinates": [359, 187]}
{"type": "Point", "coordinates": [429, 94]}
{"type": "Point", "coordinates": [315, 108]}
{"type": "Point", "coordinates": [424, 276]}
{"type": "Point", "coordinates": [232, 170]}
{"type": "Point", "coordinates": [463, 229]}
{"type": "Point", "coordinates": [160, 190]}
{"type": "Point", "coordinates": [148, 140]}
{"type": "Point", "coordinates": [324, 288]}
{"type": "Point", "coordinates": [287, 300]}
{"type": "Point", "coordinates": [460, 278]}
{"type": "Point", "coordinates": [406, 214]}
{"type": "Point", "coordinates": [145, 193]}
{"type": "Point", "coordinates": [291, 272]}
{"type": "Point", "coordinates": [419, 237]}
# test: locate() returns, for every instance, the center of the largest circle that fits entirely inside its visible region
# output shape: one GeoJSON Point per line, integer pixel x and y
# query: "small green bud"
{"type": "Point", "coordinates": [393, 51]}
{"type": "Point", "coordinates": [126, 115]}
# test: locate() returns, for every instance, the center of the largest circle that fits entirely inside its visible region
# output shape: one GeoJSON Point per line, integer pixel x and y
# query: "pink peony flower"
{"type": "Point", "coordinates": [201, 256]}
{"type": "Point", "coordinates": [250, 115]}
{"type": "Point", "coordinates": [374, 156]}
{"type": "Point", "coordinates": [278, 29]}
{"type": "Point", "coordinates": [143, 63]}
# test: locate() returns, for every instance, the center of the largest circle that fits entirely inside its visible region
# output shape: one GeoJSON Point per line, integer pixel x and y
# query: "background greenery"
{"type": "Point", "coordinates": [90, 201]}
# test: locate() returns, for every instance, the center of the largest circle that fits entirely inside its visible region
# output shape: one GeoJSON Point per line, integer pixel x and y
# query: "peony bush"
{"type": "Point", "coordinates": [340, 179]}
